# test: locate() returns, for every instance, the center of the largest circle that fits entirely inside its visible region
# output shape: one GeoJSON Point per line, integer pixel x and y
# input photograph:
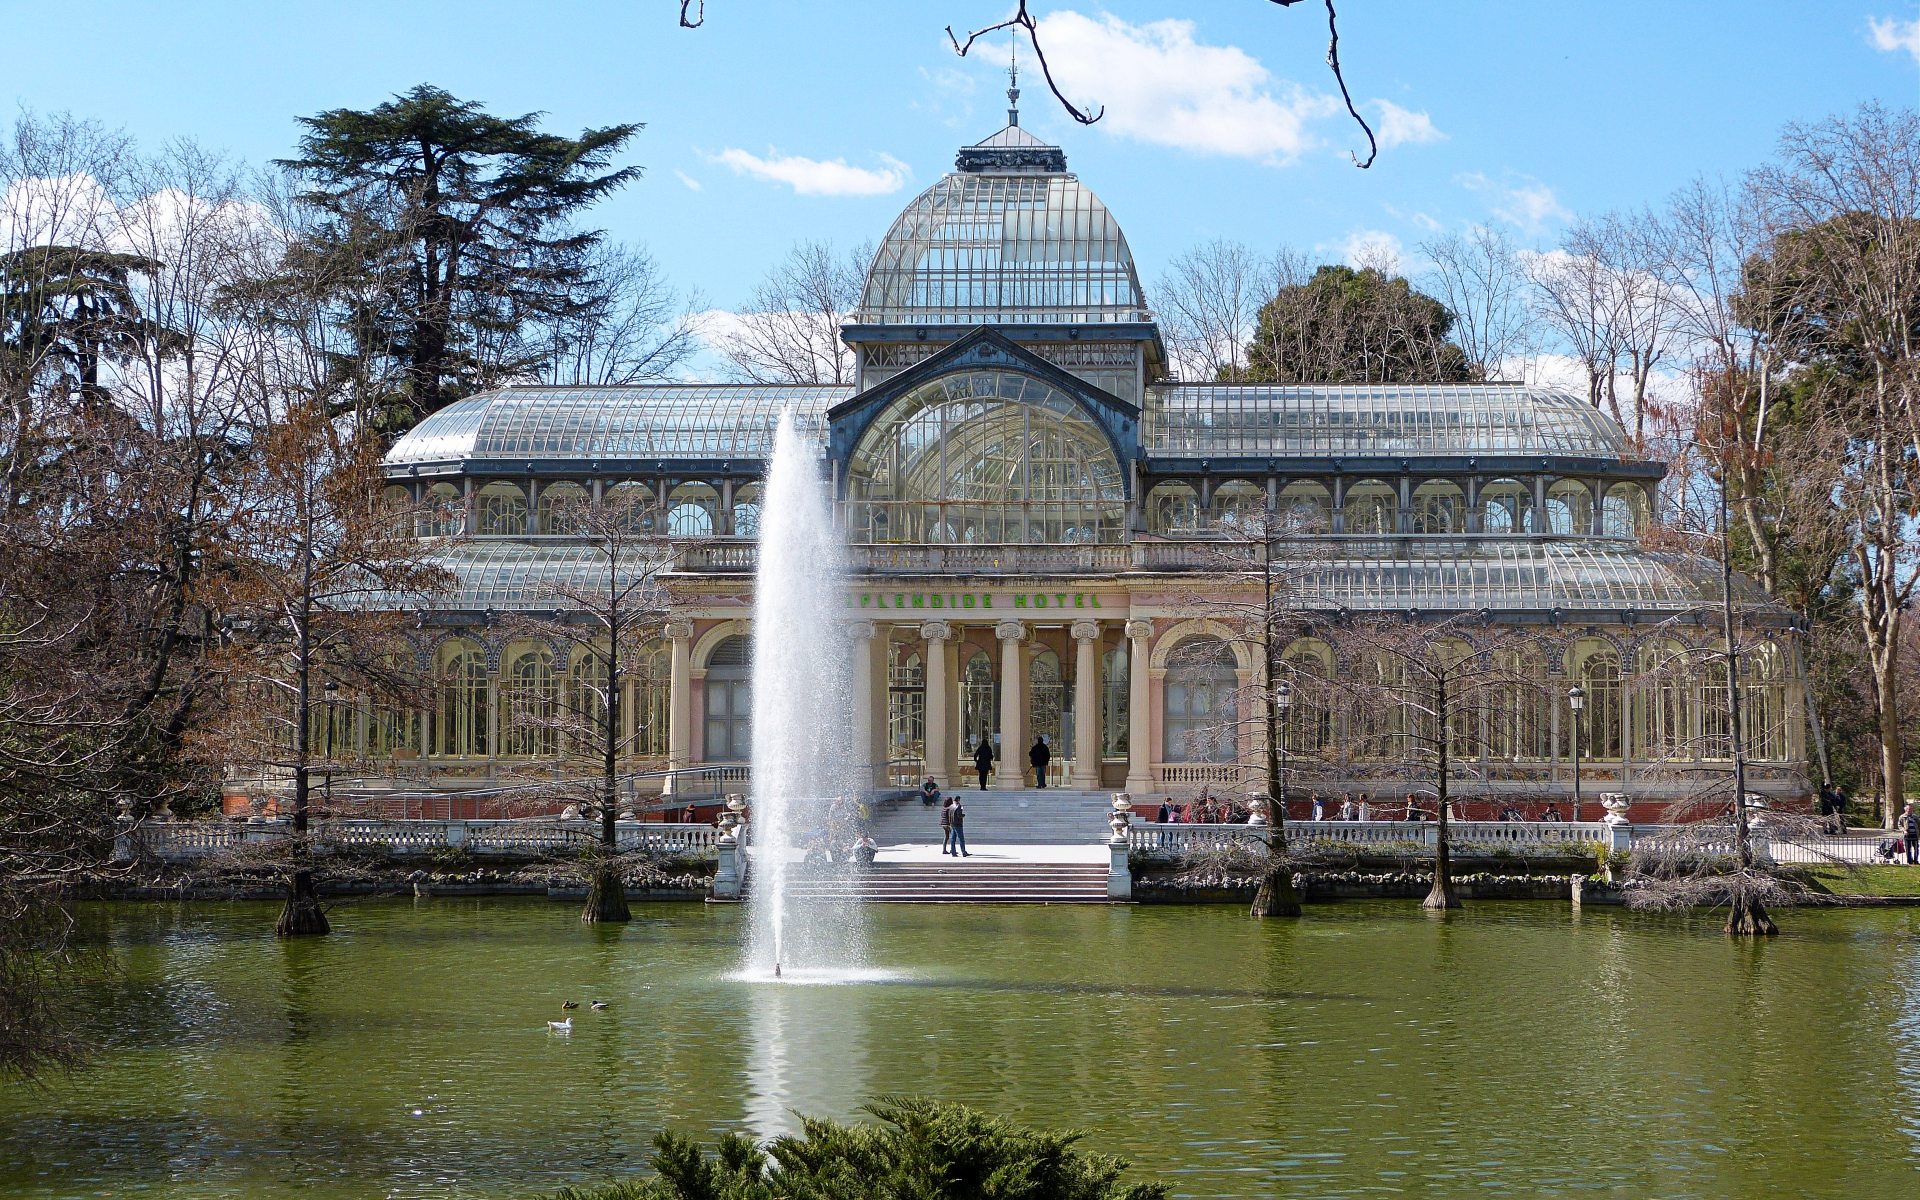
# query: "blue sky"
{"type": "Point", "coordinates": [1219, 123]}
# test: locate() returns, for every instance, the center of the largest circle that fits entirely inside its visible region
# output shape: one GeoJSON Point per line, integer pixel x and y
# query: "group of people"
{"type": "Point", "coordinates": [1039, 757]}
{"type": "Point", "coordinates": [953, 819]}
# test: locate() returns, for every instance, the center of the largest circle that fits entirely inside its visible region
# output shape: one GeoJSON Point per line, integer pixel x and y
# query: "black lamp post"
{"type": "Point", "coordinates": [1283, 701]}
{"type": "Point", "coordinates": [331, 689]}
{"type": "Point", "coordinates": [1576, 700]}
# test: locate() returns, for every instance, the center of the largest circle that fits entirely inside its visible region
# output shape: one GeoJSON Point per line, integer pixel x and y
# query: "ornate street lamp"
{"type": "Point", "coordinates": [1576, 700]}
{"type": "Point", "coordinates": [1283, 700]}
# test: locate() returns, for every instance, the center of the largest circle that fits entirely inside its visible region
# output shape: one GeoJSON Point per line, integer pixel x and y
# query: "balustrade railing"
{"type": "Point", "coordinates": [1012, 558]}
{"type": "Point", "coordinates": [186, 840]}
{"type": "Point", "coordinates": [1478, 835]}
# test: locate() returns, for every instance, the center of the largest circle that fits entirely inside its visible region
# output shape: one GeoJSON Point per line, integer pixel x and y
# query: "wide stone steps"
{"type": "Point", "coordinates": [961, 883]}
{"type": "Point", "coordinates": [1050, 817]}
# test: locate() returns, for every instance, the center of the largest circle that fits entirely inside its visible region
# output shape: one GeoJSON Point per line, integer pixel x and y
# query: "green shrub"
{"type": "Point", "coordinates": [922, 1148]}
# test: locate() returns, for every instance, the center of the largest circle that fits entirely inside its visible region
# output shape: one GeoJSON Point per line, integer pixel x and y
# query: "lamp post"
{"type": "Point", "coordinates": [1283, 702]}
{"type": "Point", "coordinates": [330, 688]}
{"type": "Point", "coordinates": [1576, 700]}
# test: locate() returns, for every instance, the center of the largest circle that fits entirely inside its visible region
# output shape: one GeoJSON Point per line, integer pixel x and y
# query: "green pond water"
{"type": "Point", "coordinates": [1366, 1049]}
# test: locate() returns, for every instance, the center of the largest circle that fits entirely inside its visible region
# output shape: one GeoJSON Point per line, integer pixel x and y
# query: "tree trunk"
{"type": "Point", "coordinates": [302, 916]}
{"type": "Point", "coordinates": [1747, 917]}
{"type": "Point", "coordinates": [1276, 897]}
{"type": "Point", "coordinates": [606, 896]}
{"type": "Point", "coordinates": [1442, 896]}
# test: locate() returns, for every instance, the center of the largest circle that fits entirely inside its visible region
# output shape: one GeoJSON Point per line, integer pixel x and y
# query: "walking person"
{"type": "Point", "coordinates": [1040, 756]}
{"type": "Point", "coordinates": [1319, 809]}
{"type": "Point", "coordinates": [946, 825]}
{"type": "Point", "coordinates": [1913, 835]}
{"type": "Point", "coordinates": [983, 760]}
{"type": "Point", "coordinates": [958, 816]}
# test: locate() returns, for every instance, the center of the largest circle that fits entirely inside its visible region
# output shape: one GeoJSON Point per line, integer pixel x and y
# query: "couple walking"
{"type": "Point", "coordinates": [953, 829]}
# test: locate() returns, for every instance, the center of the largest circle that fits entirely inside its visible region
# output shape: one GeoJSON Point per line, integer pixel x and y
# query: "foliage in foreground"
{"type": "Point", "coordinates": [922, 1148]}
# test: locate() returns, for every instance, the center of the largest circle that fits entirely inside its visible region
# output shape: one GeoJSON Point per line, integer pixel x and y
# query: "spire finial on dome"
{"type": "Point", "coordinates": [1013, 81]}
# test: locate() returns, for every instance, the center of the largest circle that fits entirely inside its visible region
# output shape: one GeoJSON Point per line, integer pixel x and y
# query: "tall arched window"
{"type": "Point", "coordinates": [1569, 507]}
{"type": "Point", "coordinates": [1598, 673]}
{"type": "Point", "coordinates": [1506, 506]}
{"type": "Point", "coordinates": [444, 514]}
{"type": "Point", "coordinates": [981, 701]}
{"type": "Point", "coordinates": [1625, 513]}
{"type": "Point", "coordinates": [1765, 712]}
{"type": "Point", "coordinates": [730, 702]}
{"type": "Point", "coordinates": [1519, 721]}
{"type": "Point", "coordinates": [746, 510]}
{"type": "Point", "coordinates": [1115, 694]}
{"type": "Point", "coordinates": [587, 698]}
{"type": "Point", "coordinates": [1201, 720]}
{"type": "Point", "coordinates": [1236, 501]}
{"type": "Point", "coordinates": [1046, 699]}
{"type": "Point", "coordinates": [985, 456]}
{"type": "Point", "coordinates": [1439, 506]}
{"type": "Point", "coordinates": [693, 510]}
{"type": "Point", "coordinates": [1378, 719]}
{"type": "Point", "coordinates": [1309, 723]}
{"type": "Point", "coordinates": [1372, 507]}
{"type": "Point", "coordinates": [528, 718]}
{"type": "Point", "coordinates": [1173, 510]}
{"type": "Point", "coordinates": [1307, 508]}
{"type": "Point", "coordinates": [906, 701]}
{"type": "Point", "coordinates": [563, 508]}
{"type": "Point", "coordinates": [652, 700]}
{"type": "Point", "coordinates": [633, 506]}
{"type": "Point", "coordinates": [1666, 693]}
{"type": "Point", "coordinates": [462, 704]}
{"type": "Point", "coordinates": [501, 509]}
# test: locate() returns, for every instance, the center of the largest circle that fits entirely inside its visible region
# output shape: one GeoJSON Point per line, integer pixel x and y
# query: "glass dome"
{"type": "Point", "coordinates": [985, 457]}
{"type": "Point", "coordinates": [1012, 248]}
{"type": "Point", "coordinates": [1375, 419]}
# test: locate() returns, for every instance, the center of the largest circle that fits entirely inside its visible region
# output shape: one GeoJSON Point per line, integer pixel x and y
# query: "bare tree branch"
{"type": "Point", "coordinates": [1024, 20]}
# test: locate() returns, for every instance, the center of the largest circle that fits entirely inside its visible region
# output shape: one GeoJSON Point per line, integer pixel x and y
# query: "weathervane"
{"type": "Point", "coordinates": [1013, 81]}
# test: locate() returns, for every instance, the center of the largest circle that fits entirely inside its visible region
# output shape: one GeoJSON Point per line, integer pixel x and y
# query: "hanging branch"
{"type": "Point", "coordinates": [1025, 21]}
{"type": "Point", "coordinates": [1333, 60]}
{"type": "Point", "coordinates": [698, 20]}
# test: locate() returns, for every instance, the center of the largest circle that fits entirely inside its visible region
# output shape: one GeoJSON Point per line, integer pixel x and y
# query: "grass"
{"type": "Point", "coordinates": [1866, 881]}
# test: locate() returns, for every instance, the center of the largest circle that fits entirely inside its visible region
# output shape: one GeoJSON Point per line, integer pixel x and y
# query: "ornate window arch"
{"type": "Point", "coordinates": [985, 457]}
{"type": "Point", "coordinates": [1595, 664]}
{"type": "Point", "coordinates": [1372, 507]}
{"type": "Point", "coordinates": [1200, 717]}
{"type": "Point", "coordinates": [1506, 506]}
{"type": "Point", "coordinates": [463, 701]}
{"type": "Point", "coordinates": [1624, 513]}
{"type": "Point", "coordinates": [530, 695]}
{"type": "Point", "coordinates": [501, 508]}
{"type": "Point", "coordinates": [1439, 506]}
{"type": "Point", "coordinates": [1173, 509]}
{"type": "Point", "coordinates": [563, 507]}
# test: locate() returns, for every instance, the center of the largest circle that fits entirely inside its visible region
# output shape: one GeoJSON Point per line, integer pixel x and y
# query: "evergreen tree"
{"type": "Point", "coordinates": [462, 223]}
{"type": "Point", "coordinates": [1348, 326]}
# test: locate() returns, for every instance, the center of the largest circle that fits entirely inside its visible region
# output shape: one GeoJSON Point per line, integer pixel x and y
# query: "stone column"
{"type": "Point", "coordinates": [1086, 705]}
{"type": "Point", "coordinates": [1139, 720]}
{"type": "Point", "coordinates": [860, 643]}
{"type": "Point", "coordinates": [1011, 772]}
{"type": "Point", "coordinates": [935, 752]}
{"type": "Point", "coordinates": [679, 701]}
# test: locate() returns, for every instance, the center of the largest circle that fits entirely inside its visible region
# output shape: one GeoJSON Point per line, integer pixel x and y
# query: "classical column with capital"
{"type": "Point", "coordinates": [1086, 705]}
{"type": "Point", "coordinates": [1012, 768]}
{"type": "Point", "coordinates": [1139, 720]}
{"type": "Point", "coordinates": [935, 752]}
{"type": "Point", "coordinates": [679, 701]}
{"type": "Point", "coordinates": [860, 643]}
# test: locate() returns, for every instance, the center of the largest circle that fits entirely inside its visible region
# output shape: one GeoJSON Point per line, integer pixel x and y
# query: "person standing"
{"type": "Point", "coordinates": [958, 817]}
{"type": "Point", "coordinates": [946, 825]}
{"type": "Point", "coordinates": [1040, 756]}
{"type": "Point", "coordinates": [1913, 835]}
{"type": "Point", "coordinates": [983, 760]}
{"type": "Point", "coordinates": [1319, 809]}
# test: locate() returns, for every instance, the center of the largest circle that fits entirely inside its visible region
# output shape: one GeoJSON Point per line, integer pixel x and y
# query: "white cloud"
{"type": "Point", "coordinates": [1895, 34]}
{"type": "Point", "coordinates": [687, 179]}
{"type": "Point", "coordinates": [1369, 248]}
{"type": "Point", "coordinates": [1159, 85]}
{"type": "Point", "coordinates": [1399, 126]}
{"type": "Point", "coordinates": [811, 177]}
{"type": "Point", "coordinates": [1529, 204]}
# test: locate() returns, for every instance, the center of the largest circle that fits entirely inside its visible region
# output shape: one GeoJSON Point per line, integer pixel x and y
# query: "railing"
{"type": "Point", "coordinates": [1536, 836]}
{"type": "Point", "coordinates": [1189, 773]}
{"type": "Point", "coordinates": [1017, 558]}
{"type": "Point", "coordinates": [1813, 851]}
{"type": "Point", "coordinates": [186, 840]}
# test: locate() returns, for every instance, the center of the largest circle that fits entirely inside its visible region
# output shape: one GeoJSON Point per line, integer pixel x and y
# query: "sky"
{"type": "Point", "coordinates": [780, 122]}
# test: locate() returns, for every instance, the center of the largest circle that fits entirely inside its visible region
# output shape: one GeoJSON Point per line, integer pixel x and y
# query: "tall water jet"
{"type": "Point", "coordinates": [802, 725]}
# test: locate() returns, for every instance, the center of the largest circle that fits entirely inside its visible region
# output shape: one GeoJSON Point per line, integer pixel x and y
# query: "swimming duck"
{"type": "Point", "coordinates": [570, 1004]}
{"type": "Point", "coordinates": [565, 1026]}
{"type": "Point", "coordinates": [599, 1004]}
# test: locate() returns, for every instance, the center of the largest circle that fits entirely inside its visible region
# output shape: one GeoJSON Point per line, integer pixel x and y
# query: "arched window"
{"type": "Point", "coordinates": [396, 502]}
{"type": "Point", "coordinates": [693, 510]}
{"type": "Point", "coordinates": [985, 456]}
{"type": "Point", "coordinates": [1597, 669]}
{"type": "Point", "coordinates": [1519, 721]}
{"type": "Point", "coordinates": [1569, 507]}
{"type": "Point", "coordinates": [1046, 699]}
{"type": "Point", "coordinates": [501, 509]}
{"type": "Point", "coordinates": [1237, 500]}
{"type": "Point", "coordinates": [587, 699]}
{"type": "Point", "coordinates": [1439, 506]}
{"type": "Point", "coordinates": [528, 718]}
{"type": "Point", "coordinates": [981, 701]}
{"type": "Point", "coordinates": [1307, 508]}
{"type": "Point", "coordinates": [746, 510]}
{"type": "Point", "coordinates": [463, 703]}
{"type": "Point", "coordinates": [1765, 712]}
{"type": "Point", "coordinates": [1201, 722]}
{"type": "Point", "coordinates": [444, 513]}
{"type": "Point", "coordinates": [1114, 699]}
{"type": "Point", "coordinates": [1378, 719]}
{"type": "Point", "coordinates": [1173, 510]}
{"type": "Point", "coordinates": [652, 700]}
{"type": "Point", "coordinates": [906, 700]}
{"type": "Point", "coordinates": [730, 702]}
{"type": "Point", "coordinates": [1372, 507]}
{"type": "Point", "coordinates": [632, 506]}
{"type": "Point", "coordinates": [563, 508]}
{"type": "Point", "coordinates": [1506, 506]}
{"type": "Point", "coordinates": [1462, 711]}
{"type": "Point", "coordinates": [1625, 513]}
{"type": "Point", "coordinates": [1666, 694]}
{"type": "Point", "coordinates": [1309, 722]}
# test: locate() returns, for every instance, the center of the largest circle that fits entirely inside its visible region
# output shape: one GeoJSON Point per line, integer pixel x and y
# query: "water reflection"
{"type": "Point", "coordinates": [807, 1053]}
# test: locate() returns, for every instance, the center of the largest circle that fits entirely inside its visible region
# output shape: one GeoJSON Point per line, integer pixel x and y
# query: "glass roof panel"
{"type": "Point", "coordinates": [1504, 573]}
{"type": "Point", "coordinates": [1375, 419]}
{"type": "Point", "coordinates": [668, 420]}
{"type": "Point", "coordinates": [1003, 249]}
{"type": "Point", "coordinates": [503, 574]}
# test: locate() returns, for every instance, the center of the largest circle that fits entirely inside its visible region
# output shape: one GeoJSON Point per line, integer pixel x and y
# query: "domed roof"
{"type": "Point", "coordinates": [1010, 238]}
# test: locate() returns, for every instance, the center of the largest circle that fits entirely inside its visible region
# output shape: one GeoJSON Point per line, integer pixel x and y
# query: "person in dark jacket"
{"type": "Point", "coordinates": [946, 825]}
{"type": "Point", "coordinates": [1040, 756]}
{"type": "Point", "coordinates": [929, 792]}
{"type": "Point", "coordinates": [958, 818]}
{"type": "Point", "coordinates": [983, 760]}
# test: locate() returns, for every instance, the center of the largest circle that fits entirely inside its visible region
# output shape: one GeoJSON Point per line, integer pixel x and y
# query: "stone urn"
{"type": "Point", "coordinates": [1257, 811]}
{"type": "Point", "coordinates": [1616, 804]}
{"type": "Point", "coordinates": [1122, 816]}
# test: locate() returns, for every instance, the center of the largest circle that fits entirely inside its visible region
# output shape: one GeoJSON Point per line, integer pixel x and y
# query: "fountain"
{"type": "Point", "coordinates": [802, 728]}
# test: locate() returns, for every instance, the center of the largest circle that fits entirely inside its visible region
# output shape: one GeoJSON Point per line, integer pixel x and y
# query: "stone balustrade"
{"type": "Point", "coordinates": [1487, 836]}
{"type": "Point", "coordinates": [181, 841]}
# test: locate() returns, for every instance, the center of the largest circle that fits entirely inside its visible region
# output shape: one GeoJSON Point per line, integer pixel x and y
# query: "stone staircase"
{"type": "Point", "coordinates": [962, 882]}
{"type": "Point", "coordinates": [1042, 817]}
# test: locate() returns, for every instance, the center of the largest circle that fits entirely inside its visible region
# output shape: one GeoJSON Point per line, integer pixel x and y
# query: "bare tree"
{"type": "Point", "coordinates": [1481, 280]}
{"type": "Point", "coordinates": [790, 331]}
{"type": "Point", "coordinates": [1209, 300]}
{"type": "Point", "coordinates": [628, 326]}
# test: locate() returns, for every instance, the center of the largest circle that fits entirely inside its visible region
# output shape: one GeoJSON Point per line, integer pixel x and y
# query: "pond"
{"type": "Point", "coordinates": [1366, 1048]}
